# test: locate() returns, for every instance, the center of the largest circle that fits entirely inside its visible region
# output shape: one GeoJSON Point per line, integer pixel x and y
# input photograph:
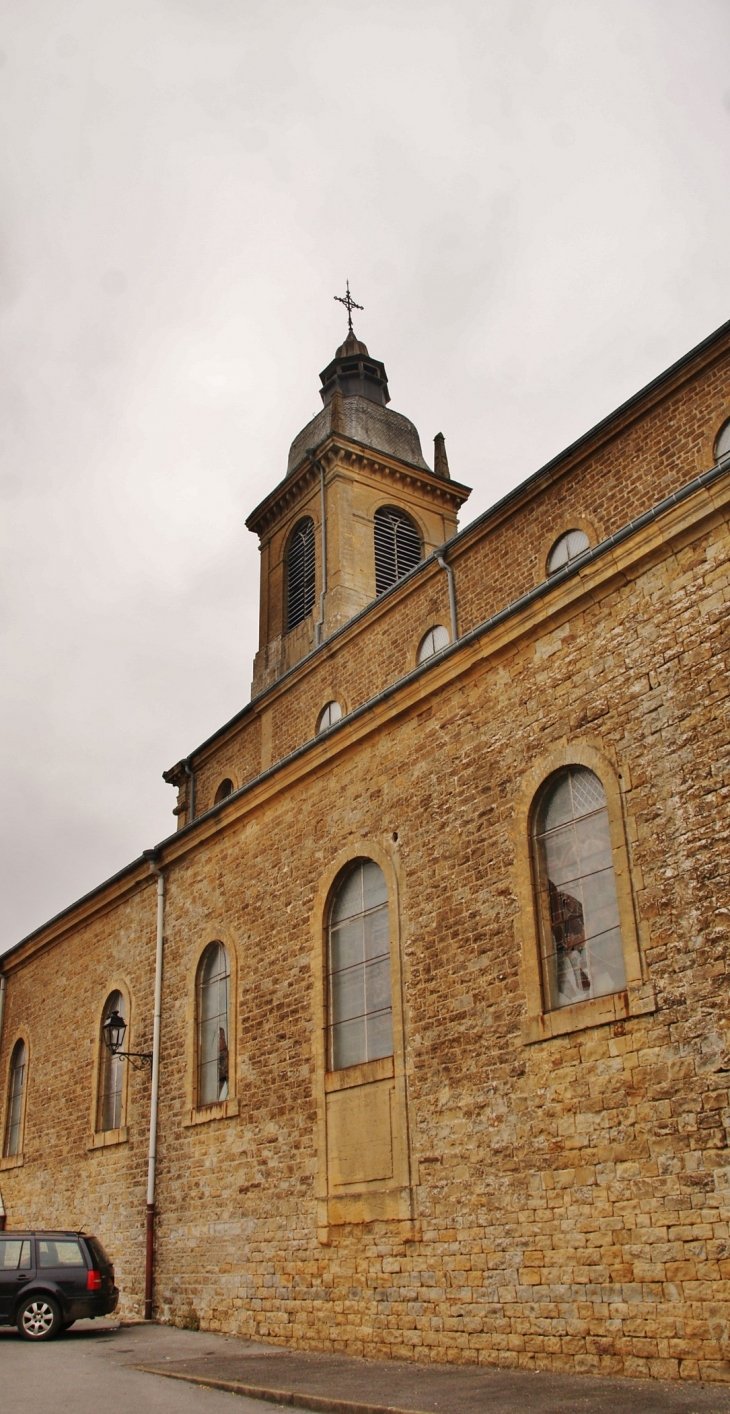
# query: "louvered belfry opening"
{"type": "Point", "coordinates": [397, 547]}
{"type": "Point", "coordinates": [300, 573]}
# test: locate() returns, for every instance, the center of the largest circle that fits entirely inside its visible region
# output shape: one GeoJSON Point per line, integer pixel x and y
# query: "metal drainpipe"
{"type": "Point", "coordinates": [191, 796]}
{"type": "Point", "coordinates": [452, 594]}
{"type": "Point", "coordinates": [154, 1099]}
{"type": "Point", "coordinates": [2, 1010]}
{"type": "Point", "coordinates": [323, 517]}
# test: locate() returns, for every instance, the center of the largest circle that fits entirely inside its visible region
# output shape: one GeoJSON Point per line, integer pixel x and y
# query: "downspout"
{"type": "Point", "coordinates": [323, 517]}
{"type": "Point", "coordinates": [452, 594]}
{"type": "Point", "coordinates": [154, 1099]}
{"type": "Point", "coordinates": [2, 1009]}
{"type": "Point", "coordinates": [191, 793]}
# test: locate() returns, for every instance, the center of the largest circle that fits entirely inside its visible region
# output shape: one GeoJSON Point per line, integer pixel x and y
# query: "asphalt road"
{"type": "Point", "coordinates": [90, 1368]}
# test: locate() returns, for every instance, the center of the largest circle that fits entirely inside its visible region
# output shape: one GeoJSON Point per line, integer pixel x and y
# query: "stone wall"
{"type": "Point", "coordinates": [569, 1198]}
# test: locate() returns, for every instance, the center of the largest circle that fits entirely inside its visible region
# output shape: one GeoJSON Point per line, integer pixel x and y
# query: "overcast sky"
{"type": "Point", "coordinates": [531, 200]}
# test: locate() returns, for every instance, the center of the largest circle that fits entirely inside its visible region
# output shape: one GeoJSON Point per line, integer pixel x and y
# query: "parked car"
{"type": "Point", "coordinates": [48, 1280]}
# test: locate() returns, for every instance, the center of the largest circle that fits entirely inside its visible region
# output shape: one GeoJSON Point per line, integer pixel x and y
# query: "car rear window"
{"type": "Point", "coordinates": [98, 1252]}
{"type": "Point", "coordinates": [59, 1252]}
{"type": "Point", "coordinates": [14, 1254]}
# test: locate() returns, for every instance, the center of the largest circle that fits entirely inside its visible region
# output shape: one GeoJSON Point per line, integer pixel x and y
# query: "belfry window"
{"type": "Point", "coordinates": [300, 573]}
{"type": "Point", "coordinates": [567, 548]}
{"type": "Point", "coordinates": [397, 547]}
{"type": "Point", "coordinates": [582, 953]}
{"type": "Point", "coordinates": [16, 1093]}
{"type": "Point", "coordinates": [359, 1011]}
{"type": "Point", "coordinates": [111, 1071]}
{"type": "Point", "coordinates": [212, 1015]}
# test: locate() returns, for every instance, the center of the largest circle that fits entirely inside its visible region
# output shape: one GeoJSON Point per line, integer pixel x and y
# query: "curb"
{"type": "Point", "coordinates": [298, 1399]}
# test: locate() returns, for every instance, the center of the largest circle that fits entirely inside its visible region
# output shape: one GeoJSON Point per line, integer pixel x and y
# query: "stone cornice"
{"type": "Point", "coordinates": [340, 450]}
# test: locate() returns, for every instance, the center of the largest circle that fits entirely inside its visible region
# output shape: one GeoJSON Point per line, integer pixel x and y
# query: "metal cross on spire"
{"type": "Point", "coordinates": [349, 304]}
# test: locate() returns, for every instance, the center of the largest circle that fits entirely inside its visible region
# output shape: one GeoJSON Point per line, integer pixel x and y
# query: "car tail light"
{"type": "Point", "coordinates": [93, 1281]}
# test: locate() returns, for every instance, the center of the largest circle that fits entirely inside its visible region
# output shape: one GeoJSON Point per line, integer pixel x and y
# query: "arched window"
{"type": "Point", "coordinates": [432, 642]}
{"type": "Point", "coordinates": [359, 1011]}
{"type": "Point", "coordinates": [300, 573]}
{"type": "Point", "coordinates": [212, 1011]}
{"type": "Point", "coordinates": [582, 953]}
{"type": "Point", "coordinates": [223, 791]}
{"type": "Point", "coordinates": [16, 1092]}
{"type": "Point", "coordinates": [567, 548]}
{"type": "Point", "coordinates": [397, 547]}
{"type": "Point", "coordinates": [331, 712]}
{"type": "Point", "coordinates": [722, 443]}
{"type": "Point", "coordinates": [111, 1072]}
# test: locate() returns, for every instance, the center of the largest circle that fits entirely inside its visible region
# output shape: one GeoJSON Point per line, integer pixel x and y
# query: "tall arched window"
{"type": "Point", "coordinates": [16, 1094]}
{"type": "Point", "coordinates": [397, 547]}
{"type": "Point", "coordinates": [359, 1011]}
{"type": "Point", "coordinates": [300, 573]}
{"type": "Point", "coordinates": [212, 1014]}
{"type": "Point", "coordinates": [582, 953]}
{"type": "Point", "coordinates": [111, 1071]}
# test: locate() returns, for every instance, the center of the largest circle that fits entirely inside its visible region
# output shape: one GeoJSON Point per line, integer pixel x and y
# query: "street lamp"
{"type": "Point", "coordinates": [113, 1031]}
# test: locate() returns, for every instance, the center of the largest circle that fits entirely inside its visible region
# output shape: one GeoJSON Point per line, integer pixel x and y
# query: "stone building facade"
{"type": "Point", "coordinates": [481, 787]}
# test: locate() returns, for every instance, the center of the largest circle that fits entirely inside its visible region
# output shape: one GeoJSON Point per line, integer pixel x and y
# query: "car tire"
{"type": "Point", "coordinates": [39, 1317]}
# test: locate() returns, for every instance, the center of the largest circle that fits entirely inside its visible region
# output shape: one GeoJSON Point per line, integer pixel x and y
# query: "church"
{"type": "Point", "coordinates": [411, 1039]}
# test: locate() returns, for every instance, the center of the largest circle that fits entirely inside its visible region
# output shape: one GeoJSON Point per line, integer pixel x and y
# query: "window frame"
{"type": "Point", "coordinates": [308, 520]}
{"type": "Point", "coordinates": [15, 1160]}
{"type": "Point", "coordinates": [638, 996]}
{"type": "Point", "coordinates": [407, 515]}
{"type": "Point", "coordinates": [105, 1138]}
{"type": "Point", "coordinates": [337, 886]}
{"type": "Point", "coordinates": [331, 702]}
{"type": "Point", "coordinates": [371, 1201]}
{"type": "Point", "coordinates": [717, 455]}
{"type": "Point", "coordinates": [578, 521]}
{"type": "Point", "coordinates": [427, 657]}
{"type": "Point", "coordinates": [218, 1109]}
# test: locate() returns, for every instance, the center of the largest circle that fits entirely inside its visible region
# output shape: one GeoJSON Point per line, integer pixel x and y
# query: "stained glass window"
{"type": "Point", "coordinates": [582, 954]}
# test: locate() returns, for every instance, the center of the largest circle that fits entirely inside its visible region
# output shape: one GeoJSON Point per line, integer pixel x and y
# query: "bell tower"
{"type": "Point", "coordinates": [357, 509]}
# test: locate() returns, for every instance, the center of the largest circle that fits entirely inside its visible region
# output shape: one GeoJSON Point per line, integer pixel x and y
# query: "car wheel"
{"type": "Point", "coordinates": [39, 1318]}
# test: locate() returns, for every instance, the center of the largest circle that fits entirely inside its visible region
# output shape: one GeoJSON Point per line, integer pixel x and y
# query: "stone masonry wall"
{"type": "Point", "coordinates": [572, 1196]}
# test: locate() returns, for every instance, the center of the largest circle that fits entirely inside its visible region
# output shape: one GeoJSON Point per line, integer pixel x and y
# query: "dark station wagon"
{"type": "Point", "coordinates": [48, 1280]}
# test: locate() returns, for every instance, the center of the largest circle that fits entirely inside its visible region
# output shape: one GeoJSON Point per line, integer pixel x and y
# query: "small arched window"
{"type": "Point", "coordinates": [212, 1008]}
{"type": "Point", "coordinates": [224, 790]}
{"type": "Point", "coordinates": [722, 442]}
{"type": "Point", "coordinates": [582, 953]}
{"type": "Point", "coordinates": [397, 547]}
{"type": "Point", "coordinates": [331, 713]}
{"type": "Point", "coordinates": [111, 1071]}
{"type": "Point", "coordinates": [567, 548]}
{"type": "Point", "coordinates": [359, 1010]}
{"type": "Point", "coordinates": [300, 573]}
{"type": "Point", "coordinates": [16, 1094]}
{"type": "Point", "coordinates": [432, 642]}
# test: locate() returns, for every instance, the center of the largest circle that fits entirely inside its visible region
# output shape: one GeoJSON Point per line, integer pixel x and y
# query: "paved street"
{"type": "Point", "coordinates": [90, 1369]}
